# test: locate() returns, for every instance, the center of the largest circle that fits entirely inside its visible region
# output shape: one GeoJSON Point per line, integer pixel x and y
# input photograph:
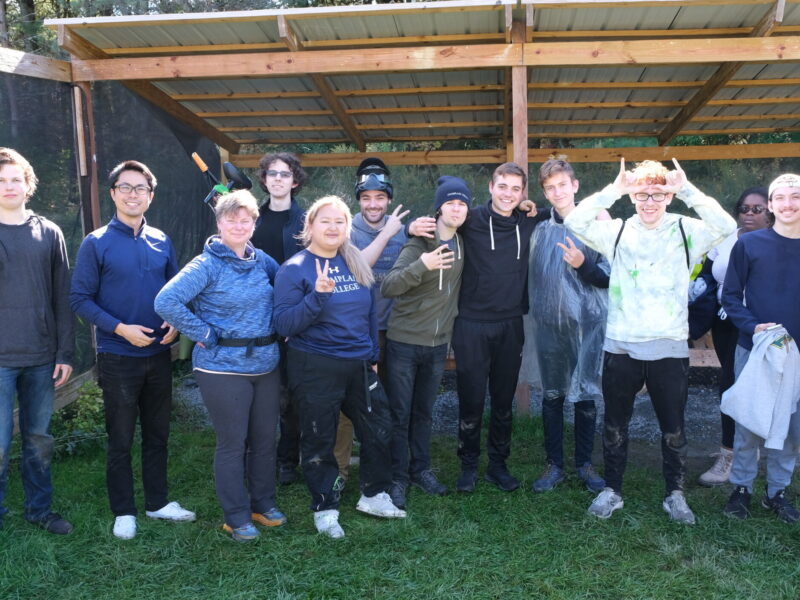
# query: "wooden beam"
{"type": "Point", "coordinates": [78, 47]}
{"type": "Point", "coordinates": [489, 56]}
{"type": "Point", "coordinates": [520, 115]}
{"type": "Point", "coordinates": [435, 157]}
{"type": "Point", "coordinates": [724, 73]}
{"type": "Point", "coordinates": [350, 111]}
{"type": "Point", "coordinates": [293, 63]}
{"type": "Point", "coordinates": [577, 155]}
{"type": "Point", "coordinates": [664, 104]}
{"type": "Point", "coordinates": [367, 126]}
{"type": "Point", "coordinates": [33, 65]}
{"type": "Point", "coordinates": [264, 113]}
{"type": "Point", "coordinates": [399, 138]}
{"type": "Point", "coordinates": [289, 37]}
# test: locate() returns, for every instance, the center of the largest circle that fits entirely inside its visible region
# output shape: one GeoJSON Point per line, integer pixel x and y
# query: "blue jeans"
{"type": "Point", "coordinates": [414, 373]}
{"type": "Point", "coordinates": [33, 386]}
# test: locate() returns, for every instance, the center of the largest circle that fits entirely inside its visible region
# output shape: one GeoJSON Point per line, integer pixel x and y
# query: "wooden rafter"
{"type": "Point", "coordinates": [723, 74]}
{"type": "Point", "coordinates": [289, 37]}
{"type": "Point", "coordinates": [31, 65]}
{"type": "Point", "coordinates": [78, 47]}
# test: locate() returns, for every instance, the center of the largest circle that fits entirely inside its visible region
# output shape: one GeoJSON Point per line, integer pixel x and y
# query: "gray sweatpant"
{"type": "Point", "coordinates": [746, 444]}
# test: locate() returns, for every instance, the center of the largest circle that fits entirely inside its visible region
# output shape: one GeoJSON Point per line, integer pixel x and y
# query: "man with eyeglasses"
{"type": "Point", "coordinates": [118, 272]}
{"type": "Point", "coordinates": [651, 254]}
{"type": "Point", "coordinates": [280, 221]}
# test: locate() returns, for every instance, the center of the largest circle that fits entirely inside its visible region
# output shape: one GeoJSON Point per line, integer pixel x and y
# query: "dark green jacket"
{"type": "Point", "coordinates": [423, 313]}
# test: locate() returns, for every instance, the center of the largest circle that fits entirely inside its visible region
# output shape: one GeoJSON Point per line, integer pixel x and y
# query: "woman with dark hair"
{"type": "Point", "coordinates": [324, 304]}
{"type": "Point", "coordinates": [229, 287]}
{"type": "Point", "coordinates": [751, 214]}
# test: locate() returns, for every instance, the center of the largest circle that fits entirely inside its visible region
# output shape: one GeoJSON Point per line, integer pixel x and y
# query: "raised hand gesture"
{"type": "Point", "coordinates": [324, 284]}
{"type": "Point", "coordinates": [441, 258]}
{"type": "Point", "coordinates": [394, 222]}
{"type": "Point", "coordinates": [625, 183]}
{"type": "Point", "coordinates": [675, 179]}
{"type": "Point", "coordinates": [422, 227]}
{"type": "Point", "coordinates": [572, 254]}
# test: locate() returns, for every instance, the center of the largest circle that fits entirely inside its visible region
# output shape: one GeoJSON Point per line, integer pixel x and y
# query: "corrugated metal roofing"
{"type": "Point", "coordinates": [634, 99]}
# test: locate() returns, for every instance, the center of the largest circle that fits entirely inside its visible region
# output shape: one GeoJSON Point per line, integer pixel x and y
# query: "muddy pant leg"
{"type": "Point", "coordinates": [668, 384]}
{"type": "Point", "coordinates": [343, 449]}
{"type": "Point", "coordinates": [319, 384]}
{"type": "Point", "coordinates": [369, 411]}
{"type": "Point", "coordinates": [622, 378]}
{"type": "Point", "coordinates": [585, 426]}
{"type": "Point", "coordinates": [471, 348]}
{"type": "Point", "coordinates": [553, 424]}
{"type": "Point", "coordinates": [506, 344]}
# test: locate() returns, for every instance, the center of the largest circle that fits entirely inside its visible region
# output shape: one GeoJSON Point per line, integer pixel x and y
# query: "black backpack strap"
{"type": "Point", "coordinates": [685, 244]}
{"type": "Point", "coordinates": [616, 242]}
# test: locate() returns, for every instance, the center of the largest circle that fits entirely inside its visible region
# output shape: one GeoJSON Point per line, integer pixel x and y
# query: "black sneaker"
{"type": "Point", "coordinates": [53, 523]}
{"type": "Point", "coordinates": [781, 506]}
{"type": "Point", "coordinates": [427, 482]}
{"type": "Point", "coordinates": [466, 480]}
{"type": "Point", "coordinates": [738, 505]}
{"type": "Point", "coordinates": [499, 475]}
{"type": "Point", "coordinates": [287, 474]}
{"type": "Point", "coordinates": [397, 493]}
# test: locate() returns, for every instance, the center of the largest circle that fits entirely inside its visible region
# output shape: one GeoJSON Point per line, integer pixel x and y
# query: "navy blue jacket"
{"type": "Point", "coordinates": [117, 275]}
{"type": "Point", "coordinates": [341, 324]}
{"type": "Point", "coordinates": [764, 267]}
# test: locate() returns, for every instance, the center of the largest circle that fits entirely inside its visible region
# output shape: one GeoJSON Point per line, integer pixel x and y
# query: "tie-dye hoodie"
{"type": "Point", "coordinates": [648, 287]}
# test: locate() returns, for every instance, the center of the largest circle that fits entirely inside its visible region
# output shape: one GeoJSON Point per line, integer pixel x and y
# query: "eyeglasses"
{"type": "Point", "coordinates": [140, 190]}
{"type": "Point", "coordinates": [643, 197]}
{"type": "Point", "coordinates": [756, 210]}
{"type": "Point", "coordinates": [281, 174]}
{"type": "Point", "coordinates": [240, 222]}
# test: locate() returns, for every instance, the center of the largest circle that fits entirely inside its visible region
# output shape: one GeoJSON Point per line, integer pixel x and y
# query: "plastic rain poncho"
{"type": "Point", "coordinates": [568, 316]}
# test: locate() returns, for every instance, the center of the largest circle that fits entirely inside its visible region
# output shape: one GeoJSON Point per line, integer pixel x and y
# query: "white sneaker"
{"type": "Point", "coordinates": [677, 509]}
{"type": "Point", "coordinates": [606, 503]}
{"type": "Point", "coordinates": [720, 471]}
{"type": "Point", "coordinates": [380, 505]}
{"type": "Point", "coordinates": [172, 512]}
{"type": "Point", "coordinates": [327, 522]}
{"type": "Point", "coordinates": [125, 527]}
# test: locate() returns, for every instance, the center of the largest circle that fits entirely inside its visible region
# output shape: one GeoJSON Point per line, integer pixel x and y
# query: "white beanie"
{"type": "Point", "coordinates": [785, 180]}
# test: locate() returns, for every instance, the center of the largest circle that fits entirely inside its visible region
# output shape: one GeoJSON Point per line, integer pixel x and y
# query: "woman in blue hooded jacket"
{"type": "Point", "coordinates": [235, 359]}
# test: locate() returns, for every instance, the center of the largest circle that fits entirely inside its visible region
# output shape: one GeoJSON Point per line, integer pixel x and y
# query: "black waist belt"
{"type": "Point", "coordinates": [248, 343]}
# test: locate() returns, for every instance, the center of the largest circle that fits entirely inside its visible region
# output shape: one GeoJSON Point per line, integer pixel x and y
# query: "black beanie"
{"type": "Point", "coordinates": [451, 188]}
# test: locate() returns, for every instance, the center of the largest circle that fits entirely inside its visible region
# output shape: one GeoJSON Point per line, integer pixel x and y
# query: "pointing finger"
{"type": "Point", "coordinates": [319, 269]}
{"type": "Point", "coordinates": [325, 270]}
{"type": "Point", "coordinates": [570, 242]}
{"type": "Point", "coordinates": [562, 246]}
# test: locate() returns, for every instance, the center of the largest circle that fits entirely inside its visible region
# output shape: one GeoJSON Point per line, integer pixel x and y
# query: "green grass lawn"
{"type": "Point", "coordinates": [486, 545]}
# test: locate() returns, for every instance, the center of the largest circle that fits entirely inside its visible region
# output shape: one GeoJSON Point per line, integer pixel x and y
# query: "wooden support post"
{"type": "Point", "coordinates": [86, 155]}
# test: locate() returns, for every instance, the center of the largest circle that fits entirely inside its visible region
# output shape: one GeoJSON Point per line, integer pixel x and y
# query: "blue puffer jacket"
{"type": "Point", "coordinates": [231, 298]}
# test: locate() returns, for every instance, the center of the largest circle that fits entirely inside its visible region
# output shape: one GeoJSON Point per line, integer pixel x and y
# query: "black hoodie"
{"type": "Point", "coordinates": [494, 285]}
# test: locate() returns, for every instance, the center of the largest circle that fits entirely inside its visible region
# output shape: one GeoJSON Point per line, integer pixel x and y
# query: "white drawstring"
{"type": "Point", "coordinates": [519, 248]}
{"type": "Point", "coordinates": [491, 231]}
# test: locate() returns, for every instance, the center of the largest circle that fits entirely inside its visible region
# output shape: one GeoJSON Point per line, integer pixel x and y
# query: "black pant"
{"type": "Point", "coordinates": [585, 425]}
{"type": "Point", "coordinates": [668, 384]}
{"type": "Point", "coordinates": [414, 374]}
{"type": "Point", "coordinates": [134, 387]}
{"type": "Point", "coordinates": [289, 442]}
{"type": "Point", "coordinates": [725, 336]}
{"type": "Point", "coordinates": [244, 411]}
{"type": "Point", "coordinates": [322, 387]}
{"type": "Point", "coordinates": [486, 351]}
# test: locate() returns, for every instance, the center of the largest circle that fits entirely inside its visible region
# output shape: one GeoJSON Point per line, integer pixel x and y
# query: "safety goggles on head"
{"type": "Point", "coordinates": [368, 178]}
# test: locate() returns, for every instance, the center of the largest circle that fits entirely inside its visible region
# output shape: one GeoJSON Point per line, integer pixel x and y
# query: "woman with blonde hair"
{"type": "Point", "coordinates": [324, 304]}
{"type": "Point", "coordinates": [229, 289]}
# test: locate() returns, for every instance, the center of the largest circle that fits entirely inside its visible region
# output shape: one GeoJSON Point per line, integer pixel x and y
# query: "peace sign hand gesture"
{"type": "Point", "coordinates": [572, 254]}
{"type": "Point", "coordinates": [324, 284]}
